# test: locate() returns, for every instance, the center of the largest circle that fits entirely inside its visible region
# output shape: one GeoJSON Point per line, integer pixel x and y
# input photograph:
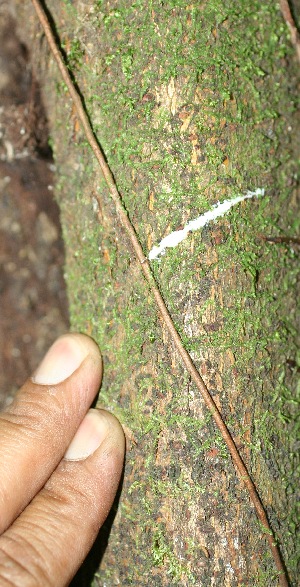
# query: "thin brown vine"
{"type": "Point", "coordinates": [288, 17]}
{"type": "Point", "coordinates": [166, 317]}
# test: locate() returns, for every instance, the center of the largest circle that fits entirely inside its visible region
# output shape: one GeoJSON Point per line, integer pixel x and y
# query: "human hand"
{"type": "Point", "coordinates": [56, 485]}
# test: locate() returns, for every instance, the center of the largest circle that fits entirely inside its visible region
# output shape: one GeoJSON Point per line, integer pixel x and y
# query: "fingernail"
{"type": "Point", "coordinates": [62, 359]}
{"type": "Point", "coordinates": [90, 434]}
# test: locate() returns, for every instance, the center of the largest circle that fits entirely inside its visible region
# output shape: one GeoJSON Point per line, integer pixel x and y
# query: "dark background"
{"type": "Point", "coordinates": [33, 304]}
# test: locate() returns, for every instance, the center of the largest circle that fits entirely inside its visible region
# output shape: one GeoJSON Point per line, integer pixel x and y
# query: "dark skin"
{"type": "Point", "coordinates": [60, 468]}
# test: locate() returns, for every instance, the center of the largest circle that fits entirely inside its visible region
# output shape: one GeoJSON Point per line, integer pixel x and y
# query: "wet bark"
{"type": "Point", "coordinates": [192, 103]}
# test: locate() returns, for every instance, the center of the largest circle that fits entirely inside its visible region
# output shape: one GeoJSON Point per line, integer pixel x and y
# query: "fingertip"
{"type": "Point", "coordinates": [85, 340]}
{"type": "Point", "coordinates": [64, 357]}
{"type": "Point", "coordinates": [116, 432]}
{"type": "Point", "coordinates": [97, 427]}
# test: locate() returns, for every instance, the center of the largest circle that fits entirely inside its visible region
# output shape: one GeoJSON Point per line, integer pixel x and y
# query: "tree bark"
{"type": "Point", "coordinates": [192, 104]}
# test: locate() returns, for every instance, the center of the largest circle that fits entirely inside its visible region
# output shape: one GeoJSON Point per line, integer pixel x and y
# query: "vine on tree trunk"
{"type": "Point", "coordinates": [166, 317]}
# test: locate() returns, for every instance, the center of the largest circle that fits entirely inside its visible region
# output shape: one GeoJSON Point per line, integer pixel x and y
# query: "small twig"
{"type": "Point", "coordinates": [288, 17]}
{"type": "Point", "coordinates": [144, 263]}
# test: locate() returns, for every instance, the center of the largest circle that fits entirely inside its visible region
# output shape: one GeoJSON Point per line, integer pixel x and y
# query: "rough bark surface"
{"type": "Point", "coordinates": [192, 103]}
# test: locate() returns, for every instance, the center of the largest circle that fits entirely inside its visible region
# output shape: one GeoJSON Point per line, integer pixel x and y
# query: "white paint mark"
{"type": "Point", "coordinates": [219, 209]}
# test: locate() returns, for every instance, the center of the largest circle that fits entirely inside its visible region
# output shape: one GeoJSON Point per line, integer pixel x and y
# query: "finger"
{"type": "Point", "coordinates": [37, 427]}
{"type": "Point", "coordinates": [48, 542]}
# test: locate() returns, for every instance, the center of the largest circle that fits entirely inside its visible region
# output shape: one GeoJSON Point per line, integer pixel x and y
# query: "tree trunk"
{"type": "Point", "coordinates": [192, 104]}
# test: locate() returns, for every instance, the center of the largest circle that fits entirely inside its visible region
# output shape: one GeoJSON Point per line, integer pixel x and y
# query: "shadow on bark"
{"type": "Point", "coordinates": [88, 570]}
